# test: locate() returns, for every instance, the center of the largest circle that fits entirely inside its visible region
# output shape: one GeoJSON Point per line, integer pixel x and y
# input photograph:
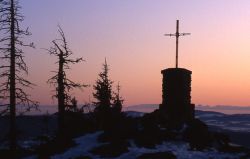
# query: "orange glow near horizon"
{"type": "Point", "coordinates": [130, 35]}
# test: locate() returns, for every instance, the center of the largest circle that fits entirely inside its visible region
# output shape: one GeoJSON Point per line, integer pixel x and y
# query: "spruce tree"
{"type": "Point", "coordinates": [108, 104]}
{"type": "Point", "coordinates": [103, 90]}
{"type": "Point", "coordinates": [117, 100]}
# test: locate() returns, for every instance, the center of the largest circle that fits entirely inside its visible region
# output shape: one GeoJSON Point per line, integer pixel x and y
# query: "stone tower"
{"type": "Point", "coordinates": [176, 96]}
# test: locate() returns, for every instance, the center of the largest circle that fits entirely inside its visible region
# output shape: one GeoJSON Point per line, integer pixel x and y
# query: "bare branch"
{"type": "Point", "coordinates": [11, 49]}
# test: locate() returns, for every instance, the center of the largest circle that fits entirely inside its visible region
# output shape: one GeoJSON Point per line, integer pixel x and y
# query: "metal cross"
{"type": "Point", "coordinates": [177, 34]}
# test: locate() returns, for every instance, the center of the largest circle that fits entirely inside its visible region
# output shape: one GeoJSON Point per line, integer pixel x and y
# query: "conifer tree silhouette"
{"type": "Point", "coordinates": [73, 106]}
{"type": "Point", "coordinates": [108, 104]}
{"type": "Point", "coordinates": [117, 100]}
{"type": "Point", "coordinates": [13, 64]}
{"type": "Point", "coordinates": [103, 90]}
{"type": "Point", "coordinates": [63, 85]}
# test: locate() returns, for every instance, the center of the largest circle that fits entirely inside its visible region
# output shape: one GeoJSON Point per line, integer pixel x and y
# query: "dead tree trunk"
{"type": "Point", "coordinates": [61, 95]}
{"type": "Point", "coordinates": [13, 142]}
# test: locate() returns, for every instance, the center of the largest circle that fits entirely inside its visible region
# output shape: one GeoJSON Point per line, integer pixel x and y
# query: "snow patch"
{"type": "Point", "coordinates": [208, 115]}
{"type": "Point", "coordinates": [84, 145]}
{"type": "Point", "coordinates": [180, 150]}
{"type": "Point", "coordinates": [134, 114]}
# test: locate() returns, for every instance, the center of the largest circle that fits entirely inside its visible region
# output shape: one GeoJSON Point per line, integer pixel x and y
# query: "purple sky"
{"type": "Point", "coordinates": [129, 34]}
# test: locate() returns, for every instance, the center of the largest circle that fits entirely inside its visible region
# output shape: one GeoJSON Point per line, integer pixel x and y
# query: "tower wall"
{"type": "Point", "coordinates": [176, 94]}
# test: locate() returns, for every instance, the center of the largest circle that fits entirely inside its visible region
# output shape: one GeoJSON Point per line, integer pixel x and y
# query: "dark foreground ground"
{"type": "Point", "coordinates": [97, 144]}
{"type": "Point", "coordinates": [236, 126]}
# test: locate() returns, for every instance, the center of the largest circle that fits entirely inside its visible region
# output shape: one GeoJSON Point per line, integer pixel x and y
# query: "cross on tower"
{"type": "Point", "coordinates": [177, 34]}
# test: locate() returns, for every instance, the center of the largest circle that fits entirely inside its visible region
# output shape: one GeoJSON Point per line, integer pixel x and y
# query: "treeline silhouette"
{"type": "Point", "coordinates": [12, 86]}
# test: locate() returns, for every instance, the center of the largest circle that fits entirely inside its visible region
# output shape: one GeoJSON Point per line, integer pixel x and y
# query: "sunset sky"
{"type": "Point", "coordinates": [130, 34]}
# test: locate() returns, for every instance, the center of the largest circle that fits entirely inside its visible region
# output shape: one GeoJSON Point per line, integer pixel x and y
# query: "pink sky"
{"type": "Point", "coordinates": [130, 35]}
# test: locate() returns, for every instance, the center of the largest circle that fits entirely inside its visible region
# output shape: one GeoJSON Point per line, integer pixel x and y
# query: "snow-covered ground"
{"type": "Point", "coordinates": [179, 149]}
{"type": "Point", "coordinates": [84, 145]}
{"type": "Point", "coordinates": [234, 122]}
{"type": "Point", "coordinates": [134, 114]}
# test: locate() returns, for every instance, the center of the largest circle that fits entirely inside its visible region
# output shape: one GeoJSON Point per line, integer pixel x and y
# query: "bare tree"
{"type": "Point", "coordinates": [60, 81]}
{"type": "Point", "coordinates": [13, 65]}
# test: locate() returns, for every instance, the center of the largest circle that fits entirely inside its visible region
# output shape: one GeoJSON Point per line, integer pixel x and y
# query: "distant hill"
{"type": "Point", "coordinates": [225, 109]}
{"type": "Point", "coordinates": [147, 108]}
